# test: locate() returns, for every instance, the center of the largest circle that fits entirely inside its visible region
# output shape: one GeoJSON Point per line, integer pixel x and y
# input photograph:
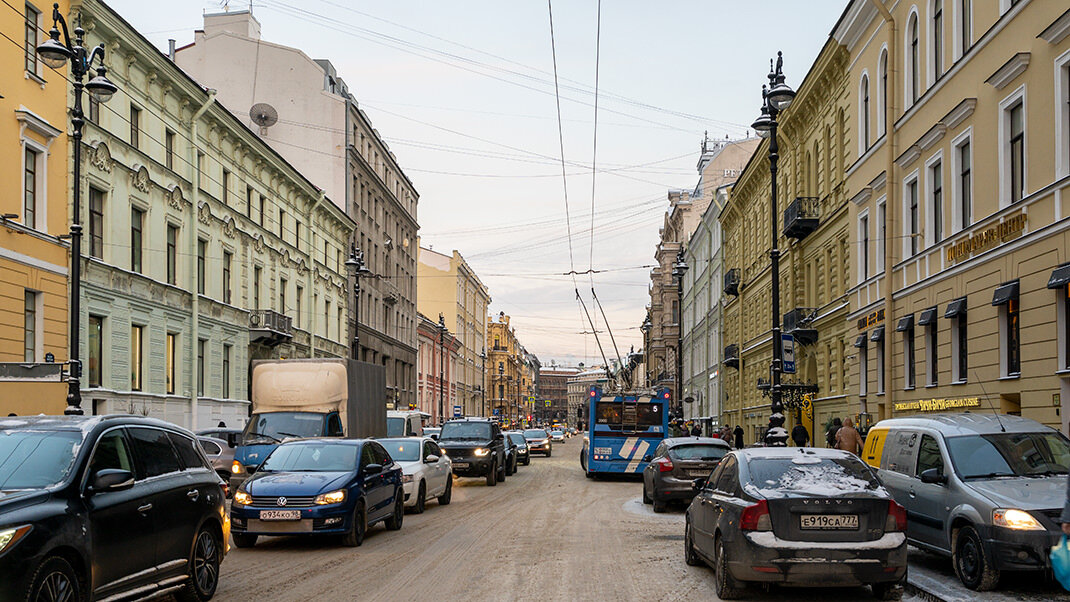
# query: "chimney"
{"type": "Point", "coordinates": [171, 49]}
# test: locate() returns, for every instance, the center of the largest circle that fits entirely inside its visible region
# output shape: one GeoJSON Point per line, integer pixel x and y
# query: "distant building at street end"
{"type": "Point", "coordinates": [438, 390]}
{"type": "Point", "coordinates": [447, 285]}
{"type": "Point", "coordinates": [512, 372]}
{"type": "Point", "coordinates": [578, 385]}
{"type": "Point", "coordinates": [304, 110]}
{"type": "Point", "coordinates": [551, 394]}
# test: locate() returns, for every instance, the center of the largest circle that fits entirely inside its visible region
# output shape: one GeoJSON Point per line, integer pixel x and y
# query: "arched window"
{"type": "Point", "coordinates": [828, 158]}
{"type": "Point", "coordinates": [815, 187]}
{"type": "Point", "coordinates": [913, 52]}
{"type": "Point", "coordinates": [882, 97]}
{"type": "Point", "coordinates": [937, 33]}
{"type": "Point", "coordinates": [863, 112]}
{"type": "Point", "coordinates": [840, 143]}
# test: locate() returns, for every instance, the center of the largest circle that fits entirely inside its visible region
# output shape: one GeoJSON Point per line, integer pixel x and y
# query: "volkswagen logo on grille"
{"type": "Point", "coordinates": [280, 502]}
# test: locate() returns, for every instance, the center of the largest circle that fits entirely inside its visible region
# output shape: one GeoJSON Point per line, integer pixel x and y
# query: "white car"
{"type": "Point", "coordinates": [426, 471]}
{"type": "Point", "coordinates": [557, 436]}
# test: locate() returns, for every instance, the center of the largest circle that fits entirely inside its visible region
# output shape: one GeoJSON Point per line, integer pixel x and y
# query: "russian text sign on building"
{"type": "Point", "coordinates": [937, 405]}
{"type": "Point", "coordinates": [987, 238]}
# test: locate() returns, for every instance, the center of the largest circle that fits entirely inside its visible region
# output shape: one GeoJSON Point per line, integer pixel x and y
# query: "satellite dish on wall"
{"type": "Point", "coordinates": [263, 115]}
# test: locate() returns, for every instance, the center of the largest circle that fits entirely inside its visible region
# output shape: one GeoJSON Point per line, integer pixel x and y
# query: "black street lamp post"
{"type": "Point", "coordinates": [356, 267]}
{"type": "Point", "coordinates": [441, 367]}
{"type": "Point", "coordinates": [775, 98]}
{"type": "Point", "coordinates": [678, 271]}
{"type": "Point", "coordinates": [483, 384]}
{"type": "Point", "coordinates": [55, 54]}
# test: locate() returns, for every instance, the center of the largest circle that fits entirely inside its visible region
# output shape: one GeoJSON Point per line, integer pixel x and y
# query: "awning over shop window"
{"type": "Point", "coordinates": [1005, 293]}
{"type": "Point", "coordinates": [905, 323]}
{"type": "Point", "coordinates": [927, 317]}
{"type": "Point", "coordinates": [1060, 276]}
{"type": "Point", "coordinates": [877, 334]}
{"type": "Point", "coordinates": [860, 341]}
{"type": "Point", "coordinates": [956, 307]}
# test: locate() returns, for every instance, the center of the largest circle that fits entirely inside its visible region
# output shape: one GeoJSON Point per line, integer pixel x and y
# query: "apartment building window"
{"type": "Point", "coordinates": [172, 254]}
{"type": "Point", "coordinates": [878, 344]}
{"type": "Point", "coordinates": [200, 170]}
{"type": "Point", "coordinates": [906, 326]}
{"type": "Point", "coordinates": [913, 217]}
{"type": "Point", "coordinates": [863, 117]}
{"type": "Point", "coordinates": [882, 221]}
{"type": "Point", "coordinates": [936, 200]}
{"type": "Point", "coordinates": [260, 215]}
{"type": "Point", "coordinates": [135, 126]}
{"type": "Point", "coordinates": [938, 39]}
{"type": "Point", "coordinates": [172, 349]}
{"type": "Point", "coordinates": [31, 187]}
{"type": "Point", "coordinates": [297, 234]}
{"type": "Point", "coordinates": [964, 29]}
{"type": "Point", "coordinates": [94, 109]}
{"type": "Point", "coordinates": [1006, 299]}
{"type": "Point", "coordinates": [863, 256]}
{"type": "Point", "coordinates": [225, 197]}
{"type": "Point", "coordinates": [282, 224]}
{"type": "Point", "coordinates": [202, 256]}
{"type": "Point", "coordinates": [248, 201]}
{"type": "Point", "coordinates": [226, 371]}
{"type": "Point", "coordinates": [256, 286]}
{"type": "Point", "coordinates": [956, 312]}
{"type": "Point", "coordinates": [963, 181]}
{"type": "Point", "coordinates": [169, 149]}
{"type": "Point", "coordinates": [932, 350]}
{"type": "Point", "coordinates": [675, 312]}
{"type": "Point", "coordinates": [282, 295]}
{"type": "Point", "coordinates": [33, 17]}
{"type": "Point", "coordinates": [137, 222]}
{"type": "Point", "coordinates": [1016, 150]}
{"type": "Point", "coordinates": [227, 257]}
{"type": "Point", "coordinates": [95, 341]}
{"type": "Point", "coordinates": [882, 98]}
{"type": "Point", "coordinates": [297, 306]}
{"type": "Point", "coordinates": [202, 345]}
{"type": "Point", "coordinates": [30, 330]}
{"type": "Point", "coordinates": [863, 365]}
{"type": "Point", "coordinates": [137, 341]}
{"type": "Point", "coordinates": [1066, 326]}
{"type": "Point", "coordinates": [912, 75]}
{"type": "Point", "coordinates": [327, 319]}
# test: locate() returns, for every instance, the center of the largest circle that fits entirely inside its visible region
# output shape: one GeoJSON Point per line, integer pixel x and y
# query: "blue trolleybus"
{"type": "Point", "coordinates": [622, 430]}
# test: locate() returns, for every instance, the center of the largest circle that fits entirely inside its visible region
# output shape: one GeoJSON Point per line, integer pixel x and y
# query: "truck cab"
{"type": "Point", "coordinates": [400, 423]}
{"type": "Point", "coordinates": [265, 431]}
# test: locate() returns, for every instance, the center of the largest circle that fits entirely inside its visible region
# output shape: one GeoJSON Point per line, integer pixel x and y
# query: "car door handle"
{"type": "Point", "coordinates": [912, 494]}
{"type": "Point", "coordinates": [193, 494]}
{"type": "Point", "coordinates": [144, 508]}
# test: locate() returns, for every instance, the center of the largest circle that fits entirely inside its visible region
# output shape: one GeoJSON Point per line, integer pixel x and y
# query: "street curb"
{"type": "Point", "coordinates": [914, 588]}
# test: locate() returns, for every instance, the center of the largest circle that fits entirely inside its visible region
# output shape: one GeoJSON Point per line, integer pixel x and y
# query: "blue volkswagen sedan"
{"type": "Point", "coordinates": [319, 486]}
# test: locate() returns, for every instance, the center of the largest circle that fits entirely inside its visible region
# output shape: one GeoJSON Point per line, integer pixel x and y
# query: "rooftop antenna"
{"type": "Point", "coordinates": [1002, 429]}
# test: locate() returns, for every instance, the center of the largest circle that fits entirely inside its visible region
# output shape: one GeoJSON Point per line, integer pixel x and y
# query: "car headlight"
{"type": "Point", "coordinates": [406, 478]}
{"type": "Point", "coordinates": [445, 452]}
{"type": "Point", "coordinates": [334, 497]}
{"type": "Point", "coordinates": [482, 451]}
{"type": "Point", "coordinates": [8, 537]}
{"type": "Point", "coordinates": [1015, 519]}
{"type": "Point", "coordinates": [236, 467]}
{"type": "Point", "coordinates": [242, 498]}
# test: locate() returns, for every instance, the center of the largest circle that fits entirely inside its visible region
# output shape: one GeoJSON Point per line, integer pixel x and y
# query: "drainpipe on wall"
{"type": "Point", "coordinates": [889, 213]}
{"type": "Point", "coordinates": [310, 278]}
{"type": "Point", "coordinates": [192, 227]}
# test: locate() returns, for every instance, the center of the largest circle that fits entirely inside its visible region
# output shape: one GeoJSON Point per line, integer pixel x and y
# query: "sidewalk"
{"type": "Point", "coordinates": [931, 577]}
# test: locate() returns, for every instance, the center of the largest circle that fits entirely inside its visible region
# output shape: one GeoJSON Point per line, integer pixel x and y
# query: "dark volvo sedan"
{"type": "Point", "coordinates": [796, 516]}
{"type": "Point", "coordinates": [320, 486]}
{"type": "Point", "coordinates": [107, 507]}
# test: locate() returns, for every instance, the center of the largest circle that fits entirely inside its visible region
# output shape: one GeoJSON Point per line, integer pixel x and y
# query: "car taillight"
{"type": "Point", "coordinates": [897, 518]}
{"type": "Point", "coordinates": [226, 489]}
{"type": "Point", "coordinates": [664, 465]}
{"type": "Point", "coordinates": [756, 517]}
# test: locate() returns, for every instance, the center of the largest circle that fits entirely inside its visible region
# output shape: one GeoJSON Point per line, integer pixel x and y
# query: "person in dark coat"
{"type": "Point", "coordinates": [696, 431]}
{"type": "Point", "coordinates": [800, 435]}
{"type": "Point", "coordinates": [830, 436]}
{"type": "Point", "coordinates": [738, 432]}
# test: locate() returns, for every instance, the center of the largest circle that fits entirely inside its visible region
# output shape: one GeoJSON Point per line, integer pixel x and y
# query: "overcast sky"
{"type": "Point", "coordinates": [463, 93]}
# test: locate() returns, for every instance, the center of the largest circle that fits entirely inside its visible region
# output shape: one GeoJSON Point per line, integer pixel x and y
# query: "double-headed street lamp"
{"type": "Point", "coordinates": [775, 98]}
{"type": "Point", "coordinates": [55, 54]}
{"type": "Point", "coordinates": [441, 366]}
{"type": "Point", "coordinates": [678, 270]}
{"type": "Point", "coordinates": [356, 267]}
{"type": "Point", "coordinates": [483, 385]}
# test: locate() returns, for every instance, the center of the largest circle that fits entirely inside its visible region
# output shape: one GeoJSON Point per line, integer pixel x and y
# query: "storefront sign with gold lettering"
{"type": "Point", "coordinates": [874, 318]}
{"type": "Point", "coordinates": [937, 405]}
{"type": "Point", "coordinates": [987, 238]}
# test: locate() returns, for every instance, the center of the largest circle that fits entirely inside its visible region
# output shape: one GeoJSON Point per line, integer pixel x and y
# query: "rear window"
{"type": "Point", "coordinates": [808, 475]}
{"type": "Point", "coordinates": [697, 452]}
{"type": "Point", "coordinates": [517, 438]}
{"type": "Point", "coordinates": [403, 450]}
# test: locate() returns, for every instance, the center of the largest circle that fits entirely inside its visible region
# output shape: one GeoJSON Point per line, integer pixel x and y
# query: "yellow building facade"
{"type": "Point", "coordinates": [959, 123]}
{"type": "Point", "coordinates": [815, 254]}
{"type": "Point", "coordinates": [34, 151]}
{"type": "Point", "coordinates": [505, 376]}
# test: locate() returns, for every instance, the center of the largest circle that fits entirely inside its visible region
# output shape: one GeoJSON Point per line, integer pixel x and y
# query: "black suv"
{"type": "Point", "coordinates": [107, 506]}
{"type": "Point", "coordinates": [477, 448]}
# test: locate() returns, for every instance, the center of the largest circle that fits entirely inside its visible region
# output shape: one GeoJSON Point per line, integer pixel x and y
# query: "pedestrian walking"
{"type": "Point", "coordinates": [738, 432]}
{"type": "Point", "coordinates": [696, 431]}
{"type": "Point", "coordinates": [726, 433]}
{"type": "Point", "coordinates": [830, 435]}
{"type": "Point", "coordinates": [848, 438]}
{"type": "Point", "coordinates": [800, 435]}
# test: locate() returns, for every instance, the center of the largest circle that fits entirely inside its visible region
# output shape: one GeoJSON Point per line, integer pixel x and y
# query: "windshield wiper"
{"type": "Point", "coordinates": [991, 475]}
{"type": "Point", "coordinates": [254, 435]}
{"type": "Point", "coordinates": [1046, 473]}
{"type": "Point", "coordinates": [289, 434]}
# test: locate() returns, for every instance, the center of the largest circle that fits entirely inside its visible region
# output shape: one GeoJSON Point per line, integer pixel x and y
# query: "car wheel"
{"type": "Point", "coordinates": [421, 499]}
{"type": "Point", "coordinates": [887, 591]}
{"type": "Point", "coordinates": [509, 468]}
{"type": "Point", "coordinates": [503, 471]}
{"type": "Point", "coordinates": [355, 536]}
{"type": "Point", "coordinates": [492, 475]}
{"type": "Point", "coordinates": [548, 453]}
{"type": "Point", "coordinates": [444, 499]}
{"type": "Point", "coordinates": [690, 557]}
{"type": "Point", "coordinates": [203, 568]}
{"type": "Point", "coordinates": [55, 581]}
{"type": "Point", "coordinates": [659, 505]}
{"type": "Point", "coordinates": [527, 460]}
{"type": "Point", "coordinates": [243, 540]}
{"type": "Point", "coordinates": [516, 464]}
{"type": "Point", "coordinates": [724, 585]}
{"type": "Point", "coordinates": [973, 568]}
{"type": "Point", "coordinates": [394, 522]}
{"type": "Point", "coordinates": [646, 495]}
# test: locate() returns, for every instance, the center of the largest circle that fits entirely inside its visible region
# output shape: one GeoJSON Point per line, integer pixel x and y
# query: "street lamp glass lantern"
{"type": "Point", "coordinates": [52, 53]}
{"type": "Point", "coordinates": [781, 96]}
{"type": "Point", "coordinates": [763, 123]}
{"type": "Point", "coordinates": [100, 87]}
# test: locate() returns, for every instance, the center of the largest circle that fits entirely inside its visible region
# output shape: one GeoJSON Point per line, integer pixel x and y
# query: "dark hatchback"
{"type": "Point", "coordinates": [796, 516]}
{"type": "Point", "coordinates": [675, 464]}
{"type": "Point", "coordinates": [476, 447]}
{"type": "Point", "coordinates": [319, 487]}
{"type": "Point", "coordinates": [107, 507]}
{"type": "Point", "coordinates": [523, 456]}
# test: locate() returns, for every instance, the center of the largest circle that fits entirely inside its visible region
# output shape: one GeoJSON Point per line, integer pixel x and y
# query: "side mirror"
{"type": "Point", "coordinates": [933, 475]}
{"type": "Point", "coordinates": [499, 437]}
{"type": "Point", "coordinates": [430, 459]}
{"type": "Point", "coordinates": [373, 469]}
{"type": "Point", "coordinates": [648, 458]}
{"type": "Point", "coordinates": [434, 437]}
{"type": "Point", "coordinates": [698, 484]}
{"type": "Point", "coordinates": [111, 479]}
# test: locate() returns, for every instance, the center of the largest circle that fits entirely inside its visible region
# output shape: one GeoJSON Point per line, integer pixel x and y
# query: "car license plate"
{"type": "Point", "coordinates": [280, 515]}
{"type": "Point", "coordinates": [603, 450]}
{"type": "Point", "coordinates": [699, 473]}
{"type": "Point", "coordinates": [829, 521]}
{"type": "Point", "coordinates": [460, 464]}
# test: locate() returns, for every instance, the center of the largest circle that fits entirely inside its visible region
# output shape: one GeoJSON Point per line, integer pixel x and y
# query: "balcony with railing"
{"type": "Point", "coordinates": [389, 291]}
{"type": "Point", "coordinates": [731, 356]}
{"type": "Point", "coordinates": [802, 217]}
{"type": "Point", "coordinates": [799, 323]}
{"type": "Point", "coordinates": [269, 326]}
{"type": "Point", "coordinates": [731, 282]}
